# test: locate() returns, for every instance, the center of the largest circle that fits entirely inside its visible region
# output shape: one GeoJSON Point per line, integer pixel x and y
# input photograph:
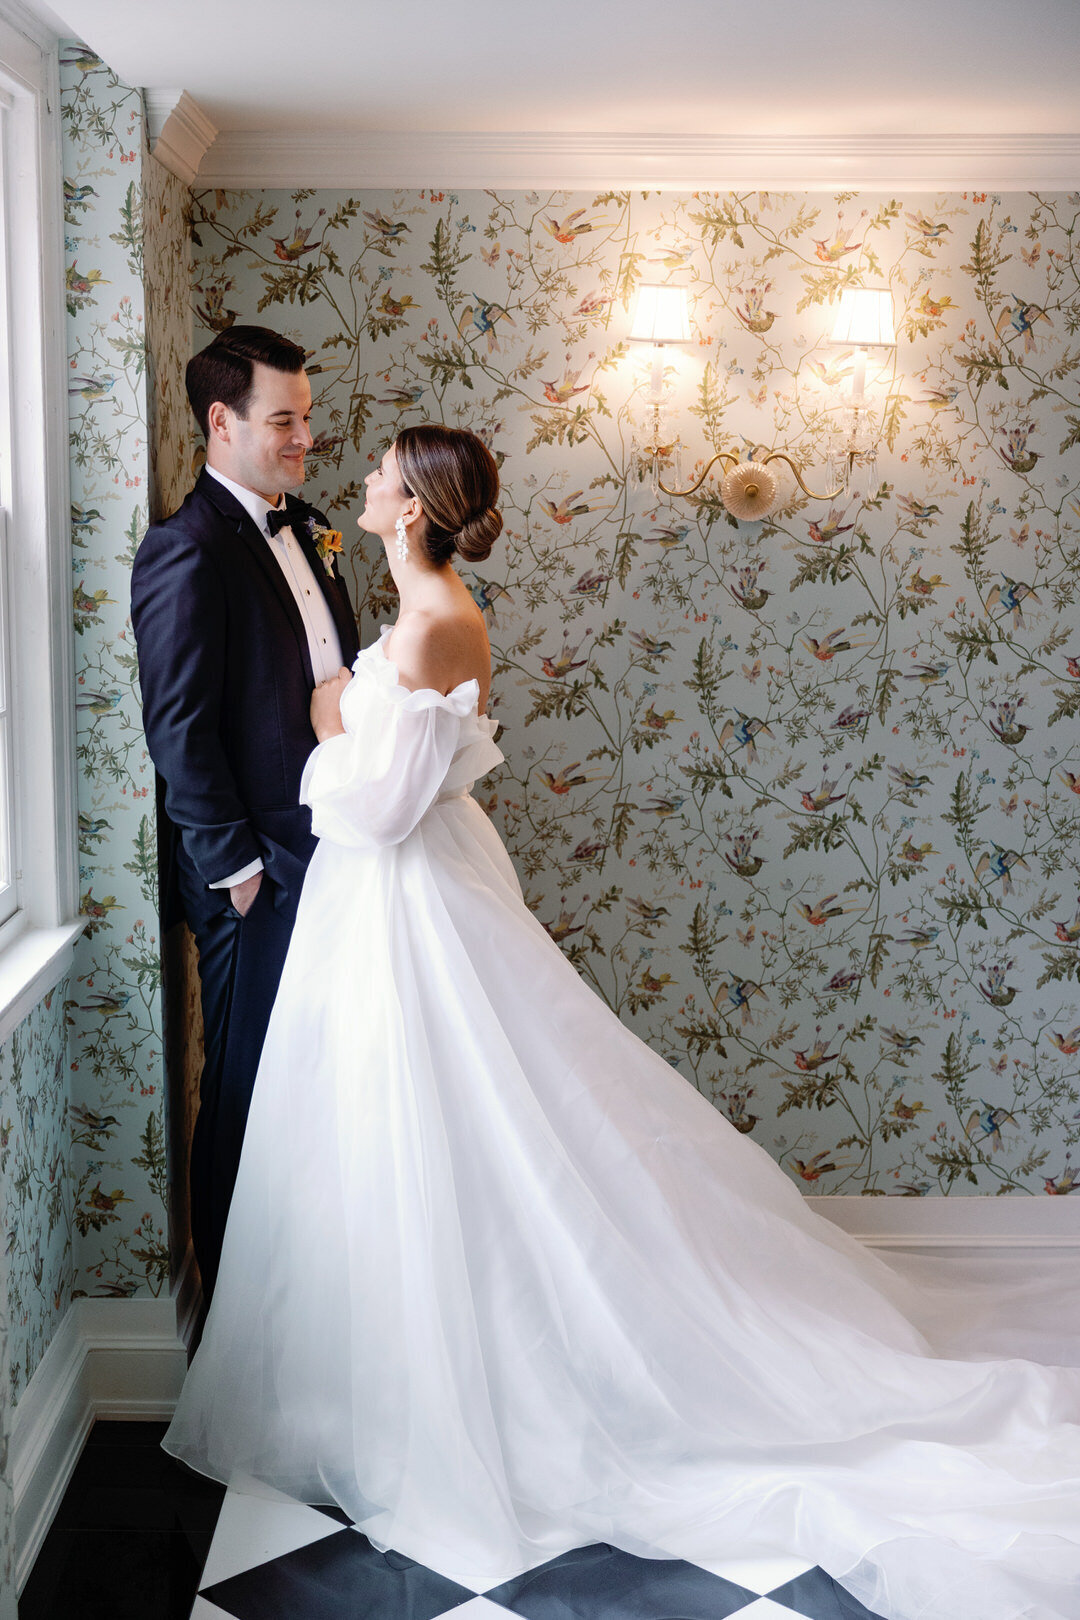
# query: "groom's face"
{"type": "Point", "coordinates": [264, 449]}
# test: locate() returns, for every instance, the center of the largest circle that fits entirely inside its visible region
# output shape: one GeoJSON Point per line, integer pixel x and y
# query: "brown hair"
{"type": "Point", "coordinates": [454, 476]}
{"type": "Point", "coordinates": [225, 369]}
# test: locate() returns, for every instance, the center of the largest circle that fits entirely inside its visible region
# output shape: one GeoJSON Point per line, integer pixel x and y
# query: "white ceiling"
{"type": "Point", "coordinates": [634, 67]}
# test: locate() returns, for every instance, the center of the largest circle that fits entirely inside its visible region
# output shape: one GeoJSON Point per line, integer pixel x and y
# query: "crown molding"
{"type": "Point", "coordinates": [252, 159]}
{"type": "Point", "coordinates": [180, 132]}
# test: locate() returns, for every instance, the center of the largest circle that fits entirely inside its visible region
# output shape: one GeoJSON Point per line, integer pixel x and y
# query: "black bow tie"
{"type": "Point", "coordinates": [285, 516]}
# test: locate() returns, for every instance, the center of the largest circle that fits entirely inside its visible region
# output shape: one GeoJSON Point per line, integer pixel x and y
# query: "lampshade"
{"type": "Point", "coordinates": [865, 318]}
{"type": "Point", "coordinates": [661, 314]}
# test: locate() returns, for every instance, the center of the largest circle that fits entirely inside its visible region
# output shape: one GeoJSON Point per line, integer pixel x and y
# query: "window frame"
{"type": "Point", "coordinates": [37, 941]}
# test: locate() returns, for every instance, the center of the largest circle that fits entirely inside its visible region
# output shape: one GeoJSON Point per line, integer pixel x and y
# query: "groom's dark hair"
{"type": "Point", "coordinates": [225, 369]}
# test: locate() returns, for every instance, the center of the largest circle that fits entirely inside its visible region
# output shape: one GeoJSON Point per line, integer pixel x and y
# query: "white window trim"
{"type": "Point", "coordinates": [37, 943]}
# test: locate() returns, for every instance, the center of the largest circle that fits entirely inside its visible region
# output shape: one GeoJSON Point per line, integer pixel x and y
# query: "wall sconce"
{"type": "Point", "coordinates": [749, 489]}
{"type": "Point", "coordinates": [864, 321]}
{"type": "Point", "coordinates": [661, 317]}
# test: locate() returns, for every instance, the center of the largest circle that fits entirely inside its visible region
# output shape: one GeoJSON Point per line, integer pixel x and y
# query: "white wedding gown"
{"type": "Point", "coordinates": [500, 1283]}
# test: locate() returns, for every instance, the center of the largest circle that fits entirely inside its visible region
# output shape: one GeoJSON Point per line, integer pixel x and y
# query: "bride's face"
{"type": "Point", "coordinates": [384, 498]}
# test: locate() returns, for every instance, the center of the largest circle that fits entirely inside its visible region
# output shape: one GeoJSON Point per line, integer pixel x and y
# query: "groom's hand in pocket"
{"type": "Point", "coordinates": [243, 894]}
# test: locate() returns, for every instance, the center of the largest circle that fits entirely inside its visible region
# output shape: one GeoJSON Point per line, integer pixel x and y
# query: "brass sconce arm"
{"type": "Point", "coordinates": [730, 460]}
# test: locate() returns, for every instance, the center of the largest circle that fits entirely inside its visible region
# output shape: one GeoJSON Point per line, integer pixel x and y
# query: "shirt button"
{"type": "Point", "coordinates": [324, 641]}
{"type": "Point", "coordinates": [307, 593]}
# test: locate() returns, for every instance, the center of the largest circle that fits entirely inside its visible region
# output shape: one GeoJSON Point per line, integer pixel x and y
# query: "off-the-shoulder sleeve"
{"type": "Point", "coordinates": [371, 785]}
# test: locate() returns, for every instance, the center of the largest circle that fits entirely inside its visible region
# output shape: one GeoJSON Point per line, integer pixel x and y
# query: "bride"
{"type": "Point", "coordinates": [500, 1283]}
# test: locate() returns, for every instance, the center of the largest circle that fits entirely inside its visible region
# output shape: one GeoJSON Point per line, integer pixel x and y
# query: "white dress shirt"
{"type": "Point", "coordinates": [323, 642]}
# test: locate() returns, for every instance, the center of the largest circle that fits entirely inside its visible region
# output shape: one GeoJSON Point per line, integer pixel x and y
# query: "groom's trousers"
{"type": "Point", "coordinates": [240, 962]}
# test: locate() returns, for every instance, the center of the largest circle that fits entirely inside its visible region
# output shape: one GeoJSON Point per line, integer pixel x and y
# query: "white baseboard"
{"type": "Point", "coordinates": [984, 1225]}
{"type": "Point", "coordinates": [109, 1358]}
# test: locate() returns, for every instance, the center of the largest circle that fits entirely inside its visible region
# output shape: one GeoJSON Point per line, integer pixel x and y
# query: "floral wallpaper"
{"type": "Point", "coordinates": [798, 797]}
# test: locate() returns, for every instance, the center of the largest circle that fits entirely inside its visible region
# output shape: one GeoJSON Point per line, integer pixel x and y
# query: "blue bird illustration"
{"type": "Point", "coordinates": [984, 1124]}
{"type": "Point", "coordinates": [920, 938]}
{"type": "Point", "coordinates": [1000, 864]}
{"type": "Point", "coordinates": [909, 781]}
{"type": "Point", "coordinates": [1011, 594]}
{"type": "Point", "coordinates": [744, 729]}
{"type": "Point", "coordinates": [483, 315]}
{"type": "Point", "coordinates": [1021, 321]}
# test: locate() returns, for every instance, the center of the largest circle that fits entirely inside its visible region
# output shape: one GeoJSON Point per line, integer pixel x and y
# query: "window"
{"type": "Point", "coordinates": [38, 871]}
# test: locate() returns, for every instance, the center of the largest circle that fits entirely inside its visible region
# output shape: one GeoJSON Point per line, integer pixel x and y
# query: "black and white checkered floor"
{"type": "Point", "coordinates": [274, 1559]}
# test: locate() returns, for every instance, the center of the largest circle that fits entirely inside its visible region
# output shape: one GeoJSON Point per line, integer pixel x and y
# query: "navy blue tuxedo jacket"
{"type": "Point", "coordinates": [226, 687]}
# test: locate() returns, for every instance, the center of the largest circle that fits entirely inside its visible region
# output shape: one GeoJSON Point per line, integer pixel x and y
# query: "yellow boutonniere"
{"type": "Point", "coordinates": [327, 542]}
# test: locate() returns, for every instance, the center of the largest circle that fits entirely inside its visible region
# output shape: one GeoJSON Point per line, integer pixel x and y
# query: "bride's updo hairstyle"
{"type": "Point", "coordinates": [454, 476]}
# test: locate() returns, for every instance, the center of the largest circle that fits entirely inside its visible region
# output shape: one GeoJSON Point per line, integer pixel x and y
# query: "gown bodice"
{"type": "Point", "coordinates": [401, 753]}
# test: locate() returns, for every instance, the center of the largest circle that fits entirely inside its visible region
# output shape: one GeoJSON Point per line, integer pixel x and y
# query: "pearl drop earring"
{"type": "Point", "coordinates": [402, 540]}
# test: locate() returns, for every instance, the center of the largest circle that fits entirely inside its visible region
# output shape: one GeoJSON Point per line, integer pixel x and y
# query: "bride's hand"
{"type": "Point", "coordinates": [326, 706]}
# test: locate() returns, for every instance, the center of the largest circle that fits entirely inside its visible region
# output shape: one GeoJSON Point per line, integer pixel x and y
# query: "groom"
{"type": "Point", "coordinates": [238, 615]}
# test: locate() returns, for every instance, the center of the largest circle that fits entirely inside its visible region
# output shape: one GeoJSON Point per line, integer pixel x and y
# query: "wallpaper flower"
{"type": "Point", "coordinates": [798, 797]}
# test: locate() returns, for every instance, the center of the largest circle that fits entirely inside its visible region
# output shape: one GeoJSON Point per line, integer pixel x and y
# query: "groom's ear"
{"type": "Point", "coordinates": [219, 421]}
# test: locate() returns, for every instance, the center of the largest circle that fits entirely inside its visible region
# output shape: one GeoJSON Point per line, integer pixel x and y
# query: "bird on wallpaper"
{"type": "Point", "coordinates": [1072, 665]}
{"type": "Point", "coordinates": [821, 912]}
{"type": "Point", "coordinates": [106, 1202]}
{"type": "Point", "coordinates": [664, 807]}
{"type": "Point", "coordinates": [940, 399]}
{"type": "Point", "coordinates": [741, 860]}
{"type": "Point", "coordinates": [92, 826]}
{"type": "Point", "coordinates": [558, 665]}
{"type": "Point", "coordinates": [587, 850]}
{"type": "Point", "coordinates": [396, 307]}
{"type": "Point", "coordinates": [1000, 863]}
{"type": "Point", "coordinates": [212, 311]}
{"type": "Point", "coordinates": [815, 1167]}
{"type": "Point", "coordinates": [99, 703]}
{"type": "Point", "coordinates": [673, 258]}
{"type": "Point", "coordinates": [1068, 1044]}
{"type": "Point", "coordinates": [752, 313]}
{"type": "Point", "coordinates": [1071, 780]}
{"type": "Point", "coordinates": [928, 674]}
{"type": "Point", "coordinates": [105, 1002]}
{"type": "Point", "coordinates": [1018, 457]}
{"type": "Point", "coordinates": [562, 392]}
{"type": "Point", "coordinates": [1021, 319]}
{"type": "Point", "coordinates": [1064, 1184]}
{"type": "Point", "coordinates": [650, 646]}
{"type": "Point", "coordinates": [1008, 728]}
{"type": "Point", "coordinates": [74, 195]}
{"type": "Point", "coordinates": [297, 245]}
{"type": "Point", "coordinates": [750, 594]}
{"type": "Point", "coordinates": [828, 647]}
{"type": "Point", "coordinates": [1068, 932]}
{"type": "Point", "coordinates": [984, 1124]}
{"type": "Point", "coordinates": [909, 781]}
{"type": "Point", "coordinates": [809, 1062]}
{"type": "Point", "coordinates": [92, 388]}
{"type": "Point", "coordinates": [562, 781]}
{"type": "Point", "coordinates": [996, 991]}
{"type": "Point", "coordinates": [647, 913]}
{"type": "Point", "coordinates": [593, 303]}
{"type": "Point", "coordinates": [905, 1110]}
{"type": "Point", "coordinates": [916, 853]}
{"type": "Point", "coordinates": [91, 1123]}
{"type": "Point", "coordinates": [933, 307]}
{"type": "Point", "coordinates": [84, 59]}
{"type": "Point", "coordinates": [483, 315]}
{"type": "Point", "coordinates": [1011, 594]}
{"type": "Point", "coordinates": [740, 992]}
{"type": "Point", "coordinates": [654, 985]}
{"type": "Point", "coordinates": [898, 1040]}
{"type": "Point", "coordinates": [388, 229]}
{"type": "Point", "coordinates": [589, 584]}
{"type": "Point", "coordinates": [925, 587]}
{"type": "Point", "coordinates": [485, 593]}
{"type": "Point", "coordinates": [565, 511]}
{"type": "Point", "coordinates": [843, 980]}
{"type": "Point", "coordinates": [403, 399]}
{"type": "Point", "coordinates": [849, 717]}
{"type": "Point", "coordinates": [668, 538]}
{"type": "Point", "coordinates": [84, 517]}
{"type": "Point", "coordinates": [653, 721]}
{"type": "Point", "coordinates": [915, 508]}
{"type": "Point", "coordinates": [744, 730]}
{"type": "Point", "coordinates": [831, 373]}
{"type": "Point", "coordinates": [572, 226]}
{"type": "Point", "coordinates": [563, 927]}
{"type": "Point", "coordinates": [841, 244]}
{"type": "Point", "coordinates": [928, 229]}
{"type": "Point", "coordinates": [920, 938]}
{"type": "Point", "coordinates": [823, 534]}
{"type": "Point", "coordinates": [818, 799]}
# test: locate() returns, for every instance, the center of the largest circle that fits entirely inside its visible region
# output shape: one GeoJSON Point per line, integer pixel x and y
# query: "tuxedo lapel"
{"type": "Point", "coordinates": [257, 545]}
